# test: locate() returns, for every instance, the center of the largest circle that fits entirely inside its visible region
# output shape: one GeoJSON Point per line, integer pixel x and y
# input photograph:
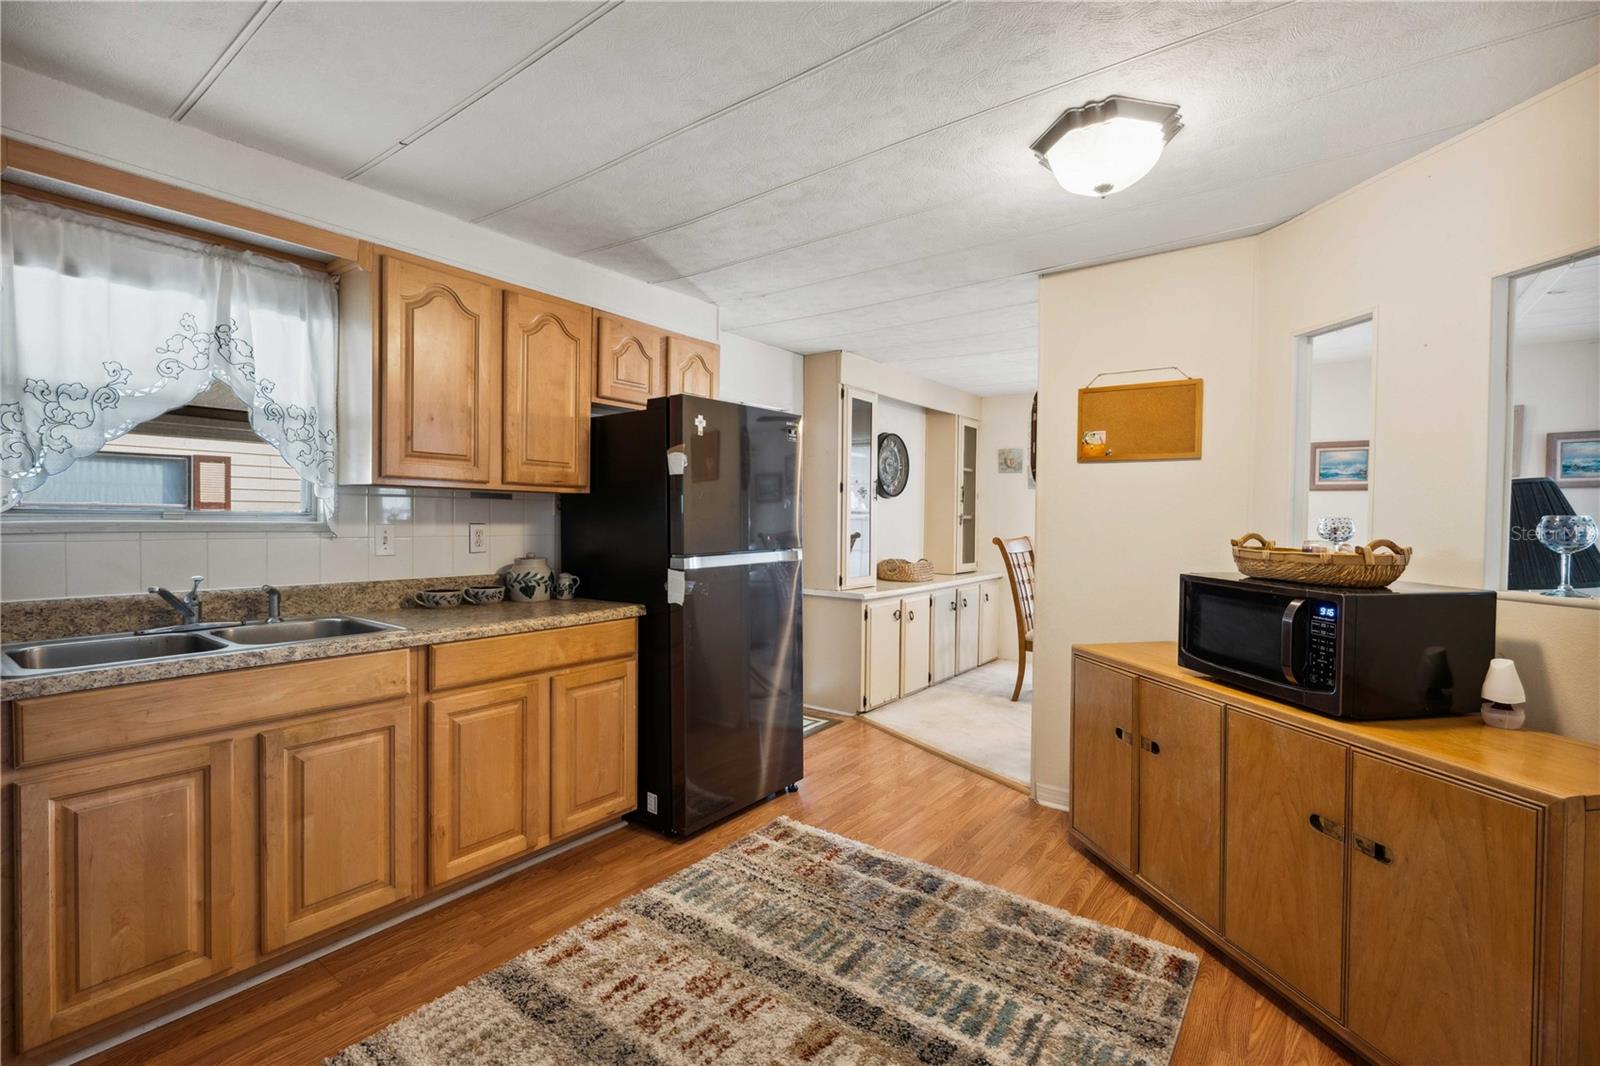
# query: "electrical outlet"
{"type": "Point", "coordinates": [650, 803]}
{"type": "Point", "coordinates": [477, 537]}
{"type": "Point", "coordinates": [383, 539]}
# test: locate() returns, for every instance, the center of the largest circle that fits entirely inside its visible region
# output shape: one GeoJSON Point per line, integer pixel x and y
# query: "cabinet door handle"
{"type": "Point", "coordinates": [911, 616]}
{"type": "Point", "coordinates": [1153, 747]}
{"type": "Point", "coordinates": [1373, 850]}
{"type": "Point", "coordinates": [897, 614]}
{"type": "Point", "coordinates": [1326, 826]}
{"type": "Point", "coordinates": [952, 605]}
{"type": "Point", "coordinates": [1122, 735]}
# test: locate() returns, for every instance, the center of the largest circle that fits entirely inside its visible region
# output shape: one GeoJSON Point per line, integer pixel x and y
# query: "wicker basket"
{"type": "Point", "coordinates": [1363, 568]}
{"type": "Point", "coordinates": [905, 570]}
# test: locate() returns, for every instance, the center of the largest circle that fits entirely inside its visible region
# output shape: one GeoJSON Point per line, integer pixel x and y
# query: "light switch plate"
{"type": "Point", "coordinates": [383, 539]}
{"type": "Point", "coordinates": [477, 537]}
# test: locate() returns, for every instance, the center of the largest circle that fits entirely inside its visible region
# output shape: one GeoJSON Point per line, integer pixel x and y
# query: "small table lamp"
{"type": "Point", "coordinates": [1502, 695]}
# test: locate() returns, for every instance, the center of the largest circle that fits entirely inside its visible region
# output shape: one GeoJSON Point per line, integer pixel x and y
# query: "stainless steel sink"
{"type": "Point", "coordinates": [78, 653]}
{"type": "Point", "coordinates": [86, 653]}
{"type": "Point", "coordinates": [296, 630]}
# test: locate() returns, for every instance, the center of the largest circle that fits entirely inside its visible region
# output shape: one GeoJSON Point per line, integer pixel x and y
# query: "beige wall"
{"type": "Point", "coordinates": [1417, 248]}
{"type": "Point", "coordinates": [1005, 501]}
{"type": "Point", "coordinates": [1113, 537]}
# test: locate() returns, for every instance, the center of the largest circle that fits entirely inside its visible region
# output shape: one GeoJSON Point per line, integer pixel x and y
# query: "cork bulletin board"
{"type": "Point", "coordinates": [1140, 422]}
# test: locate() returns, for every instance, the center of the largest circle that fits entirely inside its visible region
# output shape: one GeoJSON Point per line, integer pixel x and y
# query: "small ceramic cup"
{"type": "Point", "coordinates": [484, 593]}
{"type": "Point", "coordinates": [566, 586]}
{"type": "Point", "coordinates": [439, 598]}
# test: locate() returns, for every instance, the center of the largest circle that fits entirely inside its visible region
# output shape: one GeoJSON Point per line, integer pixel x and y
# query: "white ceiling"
{"type": "Point", "coordinates": [832, 175]}
{"type": "Point", "coordinates": [1560, 305]}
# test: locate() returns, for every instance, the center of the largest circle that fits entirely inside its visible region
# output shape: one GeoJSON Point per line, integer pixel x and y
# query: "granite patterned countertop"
{"type": "Point", "coordinates": [421, 627]}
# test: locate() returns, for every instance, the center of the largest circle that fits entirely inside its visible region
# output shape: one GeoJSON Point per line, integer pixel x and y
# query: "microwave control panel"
{"type": "Point", "coordinates": [1322, 645]}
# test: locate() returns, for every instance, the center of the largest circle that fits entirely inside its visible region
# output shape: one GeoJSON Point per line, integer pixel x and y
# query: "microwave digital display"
{"type": "Point", "coordinates": [1328, 611]}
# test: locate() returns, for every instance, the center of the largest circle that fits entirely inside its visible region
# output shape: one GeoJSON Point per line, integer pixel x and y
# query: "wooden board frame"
{"type": "Point", "coordinates": [1145, 421]}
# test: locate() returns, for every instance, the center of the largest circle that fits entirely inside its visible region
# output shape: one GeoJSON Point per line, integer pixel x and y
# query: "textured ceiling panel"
{"type": "Point", "coordinates": [318, 82]}
{"type": "Point", "coordinates": [147, 54]}
{"type": "Point", "coordinates": [640, 71]}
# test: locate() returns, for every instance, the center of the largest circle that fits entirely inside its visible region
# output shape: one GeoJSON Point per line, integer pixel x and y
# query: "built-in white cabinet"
{"type": "Point", "coordinates": [916, 634]}
{"type": "Point", "coordinates": [990, 609]}
{"type": "Point", "coordinates": [968, 601]}
{"type": "Point", "coordinates": [882, 618]}
{"type": "Point", "coordinates": [950, 507]}
{"type": "Point", "coordinates": [859, 488]}
{"type": "Point", "coordinates": [945, 613]}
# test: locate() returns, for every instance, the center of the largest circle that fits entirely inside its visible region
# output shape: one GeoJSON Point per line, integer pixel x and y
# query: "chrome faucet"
{"type": "Point", "coordinates": [274, 604]}
{"type": "Point", "coordinates": [188, 608]}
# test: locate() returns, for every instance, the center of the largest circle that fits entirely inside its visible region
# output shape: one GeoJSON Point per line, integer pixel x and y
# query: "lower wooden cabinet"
{"type": "Point", "coordinates": [593, 746]}
{"type": "Point", "coordinates": [338, 820]}
{"type": "Point", "coordinates": [1180, 806]}
{"type": "Point", "coordinates": [1443, 917]}
{"type": "Point", "coordinates": [124, 885]}
{"type": "Point", "coordinates": [488, 776]}
{"type": "Point", "coordinates": [1102, 759]}
{"type": "Point", "coordinates": [1286, 853]}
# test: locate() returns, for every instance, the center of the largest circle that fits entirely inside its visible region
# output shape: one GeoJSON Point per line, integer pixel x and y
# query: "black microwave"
{"type": "Point", "coordinates": [1407, 651]}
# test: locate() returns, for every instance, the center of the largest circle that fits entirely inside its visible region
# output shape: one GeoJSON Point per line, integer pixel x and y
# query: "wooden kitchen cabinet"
{"type": "Point", "coordinates": [549, 358]}
{"type": "Point", "coordinates": [630, 361]}
{"type": "Point", "coordinates": [1286, 853]}
{"type": "Point", "coordinates": [694, 367]}
{"type": "Point", "coordinates": [916, 669]}
{"type": "Point", "coordinates": [1180, 805]}
{"type": "Point", "coordinates": [1102, 759]}
{"type": "Point", "coordinates": [593, 746]}
{"type": "Point", "coordinates": [969, 600]}
{"type": "Point", "coordinates": [124, 885]}
{"type": "Point", "coordinates": [883, 652]}
{"type": "Point", "coordinates": [338, 820]}
{"type": "Point", "coordinates": [439, 373]}
{"type": "Point", "coordinates": [1443, 917]}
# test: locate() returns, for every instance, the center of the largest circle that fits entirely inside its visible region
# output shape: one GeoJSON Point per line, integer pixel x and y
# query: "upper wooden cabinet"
{"type": "Point", "coordinates": [694, 368]}
{"type": "Point", "coordinates": [630, 361]}
{"type": "Point", "coordinates": [549, 355]}
{"type": "Point", "coordinates": [124, 874]}
{"type": "Point", "coordinates": [439, 373]}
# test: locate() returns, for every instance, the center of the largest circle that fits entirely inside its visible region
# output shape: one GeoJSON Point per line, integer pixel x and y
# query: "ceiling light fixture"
{"type": "Point", "coordinates": [1106, 145]}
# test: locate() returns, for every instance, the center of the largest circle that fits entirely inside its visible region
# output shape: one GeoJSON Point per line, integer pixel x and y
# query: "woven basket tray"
{"type": "Point", "coordinates": [905, 570]}
{"type": "Point", "coordinates": [1364, 568]}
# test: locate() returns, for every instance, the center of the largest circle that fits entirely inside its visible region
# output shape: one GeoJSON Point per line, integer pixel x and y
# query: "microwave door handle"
{"type": "Point", "coordinates": [1286, 640]}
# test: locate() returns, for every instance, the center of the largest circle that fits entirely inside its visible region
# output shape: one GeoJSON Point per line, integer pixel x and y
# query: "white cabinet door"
{"type": "Point", "coordinates": [990, 609]}
{"type": "Point", "coordinates": [968, 599]}
{"type": "Point", "coordinates": [915, 650]}
{"type": "Point", "coordinates": [944, 634]}
{"type": "Point", "coordinates": [883, 652]}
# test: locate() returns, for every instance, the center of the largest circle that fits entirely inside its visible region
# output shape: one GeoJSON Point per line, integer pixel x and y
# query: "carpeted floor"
{"type": "Point", "coordinates": [971, 717]}
{"type": "Point", "coordinates": [794, 945]}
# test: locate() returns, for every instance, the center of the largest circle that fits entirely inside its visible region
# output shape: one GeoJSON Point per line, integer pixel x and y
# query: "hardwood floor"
{"type": "Point", "coordinates": [861, 782]}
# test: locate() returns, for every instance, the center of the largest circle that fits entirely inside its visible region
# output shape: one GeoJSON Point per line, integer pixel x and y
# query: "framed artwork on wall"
{"type": "Point", "coordinates": [1339, 465]}
{"type": "Point", "coordinates": [1010, 460]}
{"type": "Point", "coordinates": [1572, 460]}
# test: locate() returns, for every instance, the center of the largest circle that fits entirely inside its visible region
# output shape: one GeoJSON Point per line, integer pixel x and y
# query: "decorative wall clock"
{"type": "Point", "coordinates": [894, 465]}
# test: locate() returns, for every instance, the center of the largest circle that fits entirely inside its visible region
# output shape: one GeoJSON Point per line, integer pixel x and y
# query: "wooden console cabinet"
{"type": "Point", "coordinates": [1425, 889]}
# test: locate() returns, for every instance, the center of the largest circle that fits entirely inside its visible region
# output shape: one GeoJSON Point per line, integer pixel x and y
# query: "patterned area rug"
{"type": "Point", "coordinates": [794, 945]}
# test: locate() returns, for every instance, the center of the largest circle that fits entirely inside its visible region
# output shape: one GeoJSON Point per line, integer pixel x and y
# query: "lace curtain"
{"type": "Point", "coordinates": [105, 325]}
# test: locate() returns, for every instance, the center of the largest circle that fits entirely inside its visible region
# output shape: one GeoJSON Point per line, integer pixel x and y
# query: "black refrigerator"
{"type": "Point", "coordinates": [693, 510]}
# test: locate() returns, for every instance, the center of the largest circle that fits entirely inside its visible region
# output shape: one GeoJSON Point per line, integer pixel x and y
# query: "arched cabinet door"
{"type": "Point", "coordinates": [630, 361]}
{"type": "Point", "coordinates": [548, 356]}
{"type": "Point", "coordinates": [440, 373]}
{"type": "Point", "coordinates": [694, 368]}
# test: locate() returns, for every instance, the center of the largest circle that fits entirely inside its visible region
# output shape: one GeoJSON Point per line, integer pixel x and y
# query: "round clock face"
{"type": "Point", "coordinates": [894, 465]}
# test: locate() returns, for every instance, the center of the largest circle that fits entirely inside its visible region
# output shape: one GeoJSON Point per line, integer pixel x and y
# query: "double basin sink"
{"type": "Point", "coordinates": [120, 649]}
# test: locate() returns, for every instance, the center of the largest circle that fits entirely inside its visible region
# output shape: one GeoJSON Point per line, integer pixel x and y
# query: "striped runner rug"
{"type": "Point", "coordinates": [794, 945]}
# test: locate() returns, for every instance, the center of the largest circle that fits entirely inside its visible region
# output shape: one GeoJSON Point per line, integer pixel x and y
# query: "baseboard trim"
{"type": "Point", "coordinates": [1053, 796]}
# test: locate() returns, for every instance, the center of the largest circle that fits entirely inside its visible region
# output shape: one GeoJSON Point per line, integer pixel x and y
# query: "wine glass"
{"type": "Point", "coordinates": [1566, 535]}
{"type": "Point", "coordinates": [1336, 530]}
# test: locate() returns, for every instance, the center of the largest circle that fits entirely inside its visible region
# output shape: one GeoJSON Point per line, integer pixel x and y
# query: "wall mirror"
{"type": "Point", "coordinates": [1549, 477]}
{"type": "Point", "coordinates": [1334, 464]}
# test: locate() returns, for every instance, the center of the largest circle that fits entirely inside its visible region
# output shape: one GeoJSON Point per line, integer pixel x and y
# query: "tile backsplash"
{"type": "Point", "coordinates": [430, 540]}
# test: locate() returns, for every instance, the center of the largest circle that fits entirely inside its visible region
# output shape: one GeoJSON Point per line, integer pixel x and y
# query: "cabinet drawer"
{"type": "Point", "coordinates": [468, 662]}
{"type": "Point", "coordinates": [127, 716]}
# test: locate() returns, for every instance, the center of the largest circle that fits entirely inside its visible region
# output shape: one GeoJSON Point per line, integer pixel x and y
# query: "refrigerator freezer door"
{"type": "Point", "coordinates": [740, 490]}
{"type": "Point", "coordinates": [741, 694]}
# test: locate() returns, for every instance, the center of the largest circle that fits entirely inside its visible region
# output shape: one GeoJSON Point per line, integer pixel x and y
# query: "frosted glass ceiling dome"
{"type": "Point", "coordinates": [1106, 145]}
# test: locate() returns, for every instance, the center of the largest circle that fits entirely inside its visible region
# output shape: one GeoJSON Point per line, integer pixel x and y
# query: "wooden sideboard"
{"type": "Point", "coordinates": [1428, 890]}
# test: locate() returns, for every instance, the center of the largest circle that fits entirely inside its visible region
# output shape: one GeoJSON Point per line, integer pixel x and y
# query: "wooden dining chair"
{"type": "Point", "coordinates": [1018, 555]}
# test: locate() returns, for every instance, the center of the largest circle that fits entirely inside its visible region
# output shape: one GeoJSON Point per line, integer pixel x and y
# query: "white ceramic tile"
{"type": "Point", "coordinates": [346, 559]}
{"type": "Point", "coordinates": [393, 567]}
{"type": "Point", "coordinates": [508, 516]}
{"type": "Point", "coordinates": [548, 547]}
{"type": "Point", "coordinates": [470, 510]}
{"type": "Point", "coordinates": [350, 516]}
{"type": "Point", "coordinates": [171, 561]}
{"type": "Point", "coordinates": [432, 516]}
{"type": "Point", "coordinates": [236, 561]}
{"type": "Point", "coordinates": [393, 507]}
{"type": "Point", "coordinates": [294, 560]}
{"type": "Point", "coordinates": [542, 511]}
{"type": "Point", "coordinates": [432, 556]}
{"type": "Point", "coordinates": [32, 568]}
{"type": "Point", "coordinates": [103, 566]}
{"type": "Point", "coordinates": [505, 549]}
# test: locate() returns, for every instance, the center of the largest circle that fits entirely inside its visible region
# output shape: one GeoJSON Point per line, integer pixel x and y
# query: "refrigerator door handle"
{"type": "Point", "coordinates": [704, 562]}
